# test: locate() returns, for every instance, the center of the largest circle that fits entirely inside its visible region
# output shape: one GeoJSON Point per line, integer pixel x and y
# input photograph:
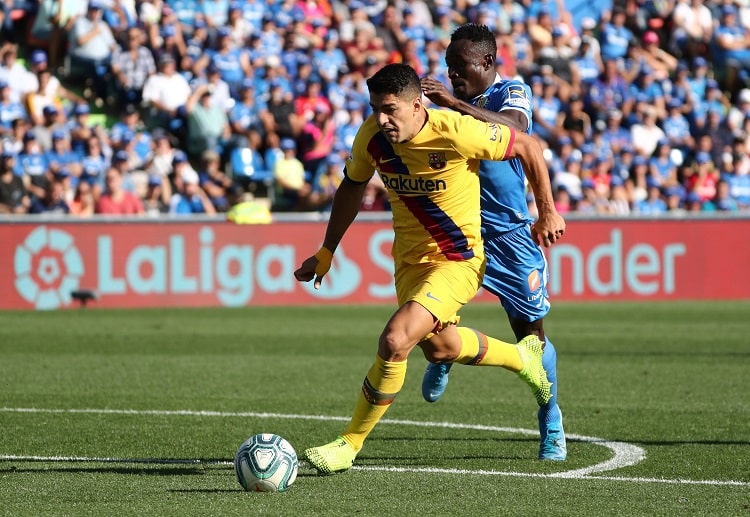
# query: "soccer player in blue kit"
{"type": "Point", "coordinates": [516, 267]}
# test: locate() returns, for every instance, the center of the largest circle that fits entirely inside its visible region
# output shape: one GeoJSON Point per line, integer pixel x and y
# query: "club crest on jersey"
{"type": "Point", "coordinates": [437, 161]}
{"type": "Point", "coordinates": [482, 101]}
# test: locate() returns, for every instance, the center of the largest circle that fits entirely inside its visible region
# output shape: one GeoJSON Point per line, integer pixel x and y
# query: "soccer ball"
{"type": "Point", "coordinates": [266, 463]}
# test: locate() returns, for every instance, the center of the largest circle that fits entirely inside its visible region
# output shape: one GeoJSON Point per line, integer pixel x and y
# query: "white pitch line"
{"type": "Point", "coordinates": [624, 454]}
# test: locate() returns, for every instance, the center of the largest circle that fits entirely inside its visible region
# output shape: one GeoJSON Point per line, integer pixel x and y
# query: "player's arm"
{"type": "Point", "coordinates": [346, 203]}
{"type": "Point", "coordinates": [550, 226]}
{"type": "Point", "coordinates": [439, 94]}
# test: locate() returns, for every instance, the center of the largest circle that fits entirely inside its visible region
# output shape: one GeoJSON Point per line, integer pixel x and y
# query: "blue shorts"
{"type": "Point", "coordinates": [517, 274]}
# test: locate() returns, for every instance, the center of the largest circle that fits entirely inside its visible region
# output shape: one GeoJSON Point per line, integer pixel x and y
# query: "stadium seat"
{"type": "Point", "coordinates": [249, 171]}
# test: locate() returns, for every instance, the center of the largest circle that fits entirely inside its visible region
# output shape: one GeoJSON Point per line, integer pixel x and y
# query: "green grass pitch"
{"type": "Point", "coordinates": [140, 412]}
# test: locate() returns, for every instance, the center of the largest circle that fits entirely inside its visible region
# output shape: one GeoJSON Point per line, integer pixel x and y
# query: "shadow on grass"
{"type": "Point", "coordinates": [139, 466]}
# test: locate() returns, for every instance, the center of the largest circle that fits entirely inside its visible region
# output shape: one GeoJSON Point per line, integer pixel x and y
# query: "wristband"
{"type": "Point", "coordinates": [324, 256]}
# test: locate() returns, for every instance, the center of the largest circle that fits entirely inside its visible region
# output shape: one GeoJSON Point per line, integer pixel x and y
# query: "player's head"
{"type": "Point", "coordinates": [396, 100]}
{"type": "Point", "coordinates": [470, 58]}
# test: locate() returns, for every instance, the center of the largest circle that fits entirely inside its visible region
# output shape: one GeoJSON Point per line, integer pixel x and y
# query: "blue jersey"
{"type": "Point", "coordinates": [503, 187]}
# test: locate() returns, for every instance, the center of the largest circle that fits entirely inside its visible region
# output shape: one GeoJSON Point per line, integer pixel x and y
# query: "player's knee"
{"type": "Point", "coordinates": [394, 345]}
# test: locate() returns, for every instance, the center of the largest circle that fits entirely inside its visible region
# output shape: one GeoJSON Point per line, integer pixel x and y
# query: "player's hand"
{"type": "Point", "coordinates": [315, 267]}
{"type": "Point", "coordinates": [436, 92]}
{"type": "Point", "coordinates": [548, 229]}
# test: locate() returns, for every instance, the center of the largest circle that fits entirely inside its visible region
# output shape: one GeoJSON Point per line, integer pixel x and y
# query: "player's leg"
{"type": "Point", "coordinates": [382, 383]}
{"type": "Point", "coordinates": [469, 346]}
{"type": "Point", "coordinates": [519, 277]}
{"type": "Point", "coordinates": [408, 325]}
{"type": "Point", "coordinates": [552, 444]}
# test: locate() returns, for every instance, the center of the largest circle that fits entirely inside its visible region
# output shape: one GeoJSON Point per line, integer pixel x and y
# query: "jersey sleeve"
{"type": "Point", "coordinates": [360, 165]}
{"type": "Point", "coordinates": [484, 140]}
{"type": "Point", "coordinates": [517, 97]}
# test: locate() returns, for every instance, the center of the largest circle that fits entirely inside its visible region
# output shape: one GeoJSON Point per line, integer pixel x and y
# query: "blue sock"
{"type": "Point", "coordinates": [550, 411]}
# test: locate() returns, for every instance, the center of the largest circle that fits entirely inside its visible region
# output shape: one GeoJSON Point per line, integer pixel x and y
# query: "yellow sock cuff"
{"type": "Point", "coordinates": [384, 381]}
{"type": "Point", "coordinates": [481, 350]}
{"type": "Point", "coordinates": [473, 346]}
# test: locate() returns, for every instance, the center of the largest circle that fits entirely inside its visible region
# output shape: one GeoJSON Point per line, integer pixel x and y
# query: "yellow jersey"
{"type": "Point", "coordinates": [432, 182]}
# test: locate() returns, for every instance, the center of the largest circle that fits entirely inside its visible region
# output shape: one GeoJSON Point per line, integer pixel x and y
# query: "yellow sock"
{"type": "Point", "coordinates": [478, 349]}
{"type": "Point", "coordinates": [380, 387]}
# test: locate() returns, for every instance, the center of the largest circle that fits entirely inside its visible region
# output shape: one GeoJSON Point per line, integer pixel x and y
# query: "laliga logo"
{"type": "Point", "coordinates": [48, 267]}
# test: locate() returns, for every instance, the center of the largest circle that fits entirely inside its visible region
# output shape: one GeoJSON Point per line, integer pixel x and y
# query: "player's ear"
{"type": "Point", "coordinates": [489, 61]}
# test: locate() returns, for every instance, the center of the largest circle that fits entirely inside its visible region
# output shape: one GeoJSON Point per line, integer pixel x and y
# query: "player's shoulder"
{"type": "Point", "coordinates": [447, 121]}
{"type": "Point", "coordinates": [511, 93]}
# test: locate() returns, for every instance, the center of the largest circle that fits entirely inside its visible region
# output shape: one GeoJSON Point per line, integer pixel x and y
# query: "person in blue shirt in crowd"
{"type": "Point", "coordinates": [732, 46]}
{"type": "Point", "coordinates": [615, 37]}
{"type": "Point", "coordinates": [32, 164]}
{"type": "Point", "coordinates": [10, 109]}
{"type": "Point", "coordinates": [188, 197]}
{"type": "Point", "coordinates": [61, 156]}
{"type": "Point", "coordinates": [516, 270]}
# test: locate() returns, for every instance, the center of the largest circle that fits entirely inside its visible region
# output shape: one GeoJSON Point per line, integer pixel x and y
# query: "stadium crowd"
{"type": "Point", "coordinates": [191, 106]}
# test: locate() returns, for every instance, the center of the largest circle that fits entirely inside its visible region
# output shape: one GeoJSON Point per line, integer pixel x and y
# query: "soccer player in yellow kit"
{"type": "Point", "coordinates": [429, 162]}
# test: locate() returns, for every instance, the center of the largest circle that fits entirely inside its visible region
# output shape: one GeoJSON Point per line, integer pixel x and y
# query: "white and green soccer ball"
{"type": "Point", "coordinates": [266, 463]}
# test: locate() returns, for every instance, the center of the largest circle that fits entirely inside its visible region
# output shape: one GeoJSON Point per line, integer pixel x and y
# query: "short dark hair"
{"type": "Point", "coordinates": [395, 79]}
{"type": "Point", "coordinates": [481, 35]}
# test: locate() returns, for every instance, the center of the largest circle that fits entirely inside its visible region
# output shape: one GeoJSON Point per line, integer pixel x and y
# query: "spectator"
{"type": "Point", "coordinates": [229, 61]}
{"type": "Point", "coordinates": [38, 61]}
{"type": "Point", "coordinates": [20, 80]}
{"type": "Point", "coordinates": [31, 165]}
{"type": "Point", "coordinates": [587, 63]}
{"type": "Point", "coordinates": [330, 60]}
{"type": "Point", "coordinates": [693, 28]}
{"type": "Point", "coordinates": [162, 157]}
{"type": "Point", "coordinates": [84, 200]}
{"type": "Point", "coordinates": [51, 202]}
{"type": "Point", "coordinates": [116, 200]}
{"type": "Point", "coordinates": [188, 197]}
{"type": "Point", "coordinates": [703, 183]}
{"type": "Point", "coordinates": [221, 96]}
{"type": "Point", "coordinates": [646, 134]}
{"type": "Point", "coordinates": [662, 63]}
{"type": "Point", "coordinates": [610, 92]}
{"type": "Point", "coordinates": [245, 118]}
{"type": "Point", "coordinates": [724, 201]}
{"type": "Point", "coordinates": [280, 120]}
{"type": "Point", "coordinates": [13, 196]}
{"type": "Point", "coordinates": [91, 47]}
{"type": "Point", "coordinates": [41, 99]}
{"type": "Point", "coordinates": [326, 184]}
{"type": "Point", "coordinates": [653, 204]}
{"type": "Point", "coordinates": [165, 93]}
{"type": "Point", "coordinates": [61, 156]}
{"type": "Point", "coordinates": [316, 141]}
{"type": "Point", "coordinates": [207, 125]}
{"type": "Point", "coordinates": [615, 36]}
{"type": "Point", "coordinates": [132, 65]}
{"type": "Point", "coordinates": [732, 47]}
{"type": "Point", "coordinates": [10, 110]}
{"type": "Point", "coordinates": [156, 201]}
{"type": "Point", "coordinates": [574, 122]}
{"type": "Point", "coordinates": [94, 164]}
{"type": "Point", "coordinates": [677, 128]}
{"type": "Point", "coordinates": [289, 176]}
{"type": "Point", "coordinates": [217, 185]}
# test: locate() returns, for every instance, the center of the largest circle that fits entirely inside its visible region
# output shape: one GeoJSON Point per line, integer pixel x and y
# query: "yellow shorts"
{"type": "Point", "coordinates": [440, 287]}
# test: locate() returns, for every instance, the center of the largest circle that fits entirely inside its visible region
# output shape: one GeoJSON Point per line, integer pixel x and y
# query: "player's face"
{"type": "Point", "coordinates": [398, 117]}
{"type": "Point", "coordinates": [468, 69]}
